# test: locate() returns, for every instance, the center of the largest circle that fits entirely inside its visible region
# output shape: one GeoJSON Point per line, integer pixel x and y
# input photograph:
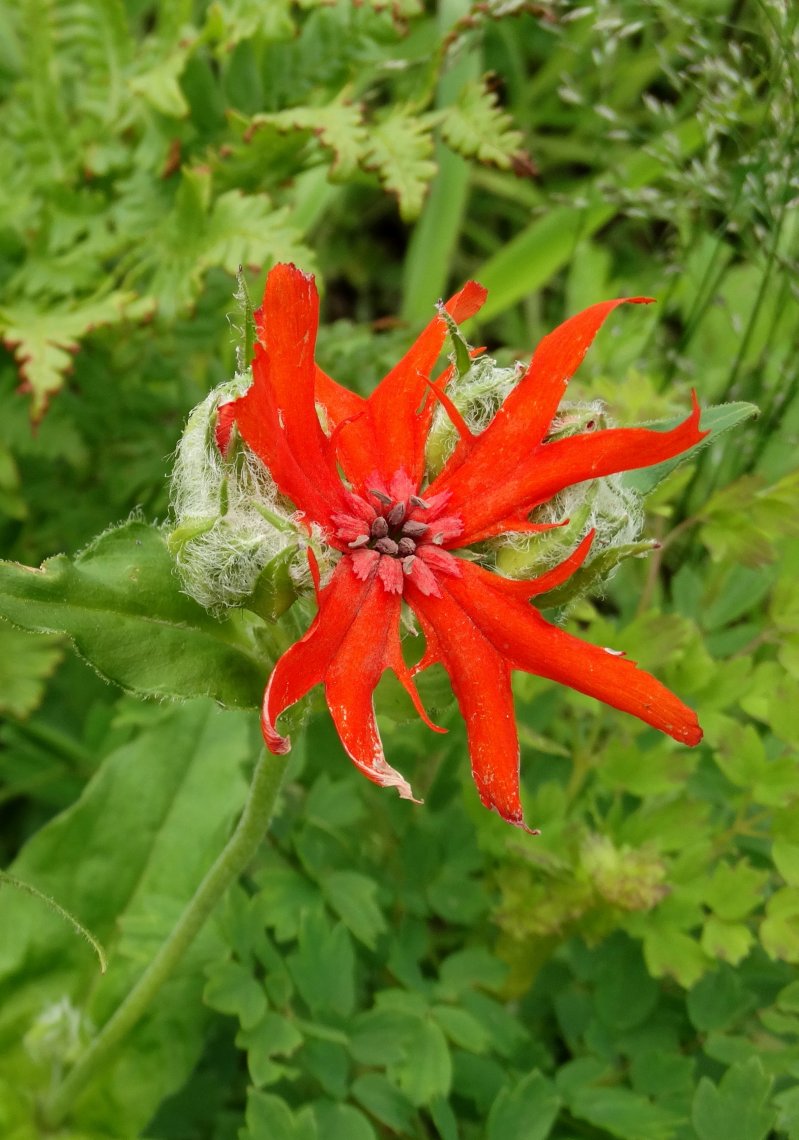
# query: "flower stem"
{"type": "Point", "coordinates": [230, 863]}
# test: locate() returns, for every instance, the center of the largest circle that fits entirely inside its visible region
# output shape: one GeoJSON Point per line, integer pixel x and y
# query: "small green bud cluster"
{"type": "Point", "coordinates": [58, 1035]}
{"type": "Point", "coordinates": [229, 520]}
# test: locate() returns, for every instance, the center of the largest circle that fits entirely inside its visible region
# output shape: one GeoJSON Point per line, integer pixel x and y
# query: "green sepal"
{"type": "Point", "coordinates": [120, 602]}
{"type": "Point", "coordinates": [596, 571]}
{"type": "Point", "coordinates": [275, 591]}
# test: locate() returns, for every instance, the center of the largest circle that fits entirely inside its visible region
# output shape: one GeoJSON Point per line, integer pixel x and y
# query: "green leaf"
{"type": "Point", "coordinates": [232, 989]}
{"type": "Point", "coordinates": [381, 1036]}
{"type": "Point", "coordinates": [384, 1101]}
{"type": "Point", "coordinates": [735, 890]}
{"type": "Point", "coordinates": [726, 941]}
{"type": "Point", "coordinates": [478, 127]}
{"type": "Point", "coordinates": [353, 898]}
{"type": "Point", "coordinates": [120, 857]}
{"type": "Point", "coordinates": [525, 1110]}
{"type": "Point", "coordinates": [400, 151]}
{"type": "Point", "coordinates": [323, 966]}
{"type": "Point", "coordinates": [270, 1118]}
{"type": "Point", "coordinates": [786, 860]}
{"type": "Point", "coordinates": [338, 126]}
{"type": "Point", "coordinates": [715, 420]}
{"type": "Point", "coordinates": [426, 1071]}
{"type": "Point", "coordinates": [44, 341]}
{"type": "Point", "coordinates": [160, 86]}
{"type": "Point", "coordinates": [461, 1028]}
{"type": "Point", "coordinates": [274, 1035]}
{"type": "Point", "coordinates": [738, 1107]}
{"type": "Point", "coordinates": [120, 602]}
{"type": "Point", "coordinates": [25, 664]}
{"type": "Point", "coordinates": [623, 1113]}
{"type": "Point", "coordinates": [341, 1122]}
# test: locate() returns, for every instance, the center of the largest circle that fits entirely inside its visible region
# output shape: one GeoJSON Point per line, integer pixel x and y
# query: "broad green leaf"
{"type": "Point", "coordinates": [120, 857]}
{"type": "Point", "coordinates": [738, 1107]}
{"type": "Point", "coordinates": [525, 1110]}
{"type": "Point", "coordinates": [44, 340]}
{"type": "Point", "coordinates": [381, 1036]}
{"type": "Point", "coordinates": [270, 1118]}
{"type": "Point", "coordinates": [786, 860]}
{"type": "Point", "coordinates": [718, 1000]}
{"type": "Point", "coordinates": [25, 664]}
{"type": "Point", "coordinates": [120, 602]}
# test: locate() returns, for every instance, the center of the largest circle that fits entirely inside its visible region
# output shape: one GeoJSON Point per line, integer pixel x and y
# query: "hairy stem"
{"type": "Point", "coordinates": [238, 852]}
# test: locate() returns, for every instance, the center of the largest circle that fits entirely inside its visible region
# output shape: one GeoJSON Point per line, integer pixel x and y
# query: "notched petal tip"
{"type": "Point", "coordinates": [514, 818]}
{"type": "Point", "coordinates": [387, 777]}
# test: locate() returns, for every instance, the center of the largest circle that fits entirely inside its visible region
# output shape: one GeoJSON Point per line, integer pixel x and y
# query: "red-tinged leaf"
{"type": "Point", "coordinates": [526, 641]}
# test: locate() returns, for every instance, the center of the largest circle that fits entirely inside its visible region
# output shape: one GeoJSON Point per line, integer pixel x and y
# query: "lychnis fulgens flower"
{"type": "Point", "coordinates": [401, 539]}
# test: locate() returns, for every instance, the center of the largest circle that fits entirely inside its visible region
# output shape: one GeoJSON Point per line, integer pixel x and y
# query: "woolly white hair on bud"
{"type": "Point", "coordinates": [229, 520]}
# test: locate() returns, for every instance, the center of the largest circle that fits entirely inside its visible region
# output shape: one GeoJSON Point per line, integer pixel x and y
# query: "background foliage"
{"type": "Point", "coordinates": [386, 970]}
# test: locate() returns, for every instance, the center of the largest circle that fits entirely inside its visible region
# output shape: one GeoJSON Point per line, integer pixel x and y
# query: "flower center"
{"type": "Point", "coordinates": [395, 533]}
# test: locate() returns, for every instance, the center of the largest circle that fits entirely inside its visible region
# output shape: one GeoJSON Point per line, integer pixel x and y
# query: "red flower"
{"type": "Point", "coordinates": [397, 537]}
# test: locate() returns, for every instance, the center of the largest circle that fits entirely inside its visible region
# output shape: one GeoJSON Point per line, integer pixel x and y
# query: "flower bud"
{"type": "Point", "coordinates": [232, 536]}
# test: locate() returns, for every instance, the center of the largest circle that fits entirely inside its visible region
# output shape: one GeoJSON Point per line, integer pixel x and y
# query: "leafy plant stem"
{"type": "Point", "coordinates": [231, 862]}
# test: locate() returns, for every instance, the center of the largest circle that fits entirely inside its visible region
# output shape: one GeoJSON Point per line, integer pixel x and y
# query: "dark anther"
{"type": "Point", "coordinates": [405, 546]}
{"type": "Point", "coordinates": [396, 514]}
{"type": "Point", "coordinates": [386, 546]}
{"type": "Point", "coordinates": [361, 540]}
{"type": "Point", "coordinates": [379, 527]}
{"type": "Point", "coordinates": [407, 564]}
{"type": "Point", "coordinates": [414, 529]}
{"type": "Point", "coordinates": [379, 495]}
{"type": "Point", "coordinates": [420, 503]}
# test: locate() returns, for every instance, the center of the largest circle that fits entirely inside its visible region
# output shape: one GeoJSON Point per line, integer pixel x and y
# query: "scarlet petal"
{"type": "Point", "coordinates": [524, 418]}
{"type": "Point", "coordinates": [481, 684]}
{"type": "Point", "coordinates": [364, 563]}
{"type": "Point", "coordinates": [340, 403]}
{"type": "Point", "coordinates": [277, 415]}
{"type": "Point", "coordinates": [391, 428]}
{"type": "Point", "coordinates": [348, 646]}
{"type": "Point", "coordinates": [440, 561]}
{"type": "Point", "coordinates": [225, 418]}
{"type": "Point", "coordinates": [528, 642]}
{"type": "Point", "coordinates": [549, 468]}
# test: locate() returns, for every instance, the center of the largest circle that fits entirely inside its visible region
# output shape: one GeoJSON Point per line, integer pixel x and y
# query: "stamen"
{"type": "Point", "coordinates": [396, 514]}
{"type": "Point", "coordinates": [383, 498]}
{"type": "Point", "coordinates": [405, 546]}
{"type": "Point", "coordinates": [420, 503]}
{"type": "Point", "coordinates": [407, 564]}
{"type": "Point", "coordinates": [386, 546]}
{"type": "Point", "coordinates": [361, 540]}
{"type": "Point", "coordinates": [438, 538]}
{"type": "Point", "coordinates": [414, 529]}
{"type": "Point", "coordinates": [379, 527]}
